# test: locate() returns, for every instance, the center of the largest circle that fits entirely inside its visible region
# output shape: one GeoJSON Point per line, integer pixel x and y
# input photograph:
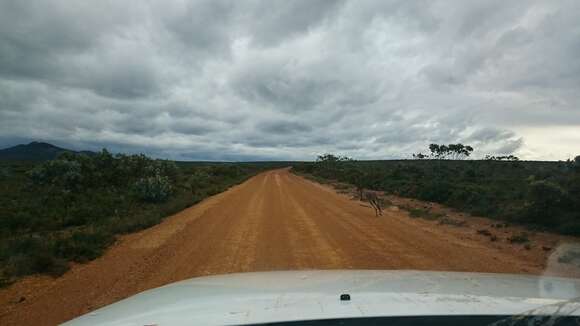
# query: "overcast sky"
{"type": "Point", "coordinates": [244, 80]}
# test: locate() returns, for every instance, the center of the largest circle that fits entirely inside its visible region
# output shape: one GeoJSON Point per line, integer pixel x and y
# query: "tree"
{"type": "Point", "coordinates": [330, 164]}
{"type": "Point", "coordinates": [576, 164]}
{"type": "Point", "coordinates": [545, 200]}
{"type": "Point", "coordinates": [510, 158]}
{"type": "Point", "coordinates": [437, 151]}
{"type": "Point", "coordinates": [419, 156]}
{"type": "Point", "coordinates": [451, 151]}
{"type": "Point", "coordinates": [458, 151]}
{"type": "Point", "coordinates": [332, 158]}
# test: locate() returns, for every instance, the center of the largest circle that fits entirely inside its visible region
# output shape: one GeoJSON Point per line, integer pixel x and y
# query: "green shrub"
{"type": "Point", "coordinates": [71, 208]}
{"type": "Point", "coordinates": [436, 191]}
{"type": "Point", "coordinates": [545, 201]}
{"type": "Point", "coordinates": [4, 173]}
{"type": "Point", "coordinates": [424, 213]}
{"type": "Point", "coordinates": [36, 262]}
{"type": "Point", "coordinates": [154, 189]}
{"type": "Point", "coordinates": [60, 173]}
{"type": "Point", "coordinates": [571, 227]}
{"type": "Point", "coordinates": [225, 171]}
{"type": "Point", "coordinates": [576, 164]}
{"type": "Point", "coordinates": [30, 255]}
{"type": "Point", "coordinates": [537, 194]}
{"type": "Point", "coordinates": [416, 212]}
{"type": "Point", "coordinates": [168, 169]}
{"type": "Point", "coordinates": [199, 179]}
{"type": "Point", "coordinates": [83, 245]}
{"type": "Point", "coordinates": [519, 238]}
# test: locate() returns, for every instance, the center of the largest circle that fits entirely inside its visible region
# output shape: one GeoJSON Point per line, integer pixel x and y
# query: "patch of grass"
{"type": "Point", "coordinates": [424, 213]}
{"type": "Point", "coordinates": [452, 222]}
{"type": "Point", "coordinates": [519, 238]}
{"type": "Point", "coordinates": [417, 212]}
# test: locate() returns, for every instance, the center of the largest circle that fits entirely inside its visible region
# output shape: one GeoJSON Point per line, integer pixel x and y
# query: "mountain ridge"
{"type": "Point", "coordinates": [35, 151]}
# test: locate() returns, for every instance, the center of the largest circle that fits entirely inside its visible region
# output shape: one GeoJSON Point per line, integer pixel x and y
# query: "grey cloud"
{"type": "Point", "coordinates": [32, 35]}
{"type": "Point", "coordinates": [127, 81]}
{"type": "Point", "coordinates": [192, 127]}
{"type": "Point", "coordinates": [202, 25]}
{"type": "Point", "coordinates": [489, 135]}
{"type": "Point", "coordinates": [74, 45]}
{"type": "Point", "coordinates": [495, 141]}
{"type": "Point", "coordinates": [509, 147]}
{"type": "Point", "coordinates": [274, 23]}
{"type": "Point", "coordinates": [284, 93]}
{"type": "Point", "coordinates": [284, 127]}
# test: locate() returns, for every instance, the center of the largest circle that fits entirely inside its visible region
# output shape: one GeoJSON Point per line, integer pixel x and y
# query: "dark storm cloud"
{"type": "Point", "coordinates": [284, 127]}
{"type": "Point", "coordinates": [289, 79]}
{"type": "Point", "coordinates": [34, 35]}
{"type": "Point", "coordinates": [71, 44]}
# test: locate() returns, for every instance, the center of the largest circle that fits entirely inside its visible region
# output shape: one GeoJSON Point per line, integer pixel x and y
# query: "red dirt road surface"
{"type": "Point", "coordinates": [274, 221]}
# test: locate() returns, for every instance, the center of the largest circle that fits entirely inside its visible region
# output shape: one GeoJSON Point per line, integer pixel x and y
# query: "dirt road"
{"type": "Point", "coordinates": [274, 221]}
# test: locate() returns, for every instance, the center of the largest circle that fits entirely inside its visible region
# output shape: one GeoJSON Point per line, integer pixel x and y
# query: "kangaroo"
{"type": "Point", "coordinates": [373, 198]}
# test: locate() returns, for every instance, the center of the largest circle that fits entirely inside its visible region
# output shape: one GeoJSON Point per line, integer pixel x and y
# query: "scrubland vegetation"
{"type": "Point", "coordinates": [542, 195]}
{"type": "Point", "coordinates": [70, 209]}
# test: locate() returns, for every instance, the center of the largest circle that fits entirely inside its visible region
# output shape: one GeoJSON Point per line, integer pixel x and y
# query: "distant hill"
{"type": "Point", "coordinates": [35, 151]}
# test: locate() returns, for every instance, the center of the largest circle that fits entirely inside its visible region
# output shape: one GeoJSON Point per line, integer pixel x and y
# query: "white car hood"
{"type": "Point", "coordinates": [251, 298]}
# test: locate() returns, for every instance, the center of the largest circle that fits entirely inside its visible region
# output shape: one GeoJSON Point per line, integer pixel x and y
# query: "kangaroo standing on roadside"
{"type": "Point", "coordinates": [373, 198]}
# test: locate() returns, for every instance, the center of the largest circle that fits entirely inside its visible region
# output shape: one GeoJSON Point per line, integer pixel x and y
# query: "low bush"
{"type": "Point", "coordinates": [4, 173]}
{"type": "Point", "coordinates": [71, 208]}
{"type": "Point", "coordinates": [61, 174]}
{"type": "Point", "coordinates": [519, 238]}
{"type": "Point", "coordinates": [452, 222]}
{"type": "Point", "coordinates": [153, 189]}
{"type": "Point", "coordinates": [83, 245]}
{"type": "Point", "coordinates": [424, 213]}
{"type": "Point", "coordinates": [544, 195]}
{"type": "Point", "coordinates": [29, 255]}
